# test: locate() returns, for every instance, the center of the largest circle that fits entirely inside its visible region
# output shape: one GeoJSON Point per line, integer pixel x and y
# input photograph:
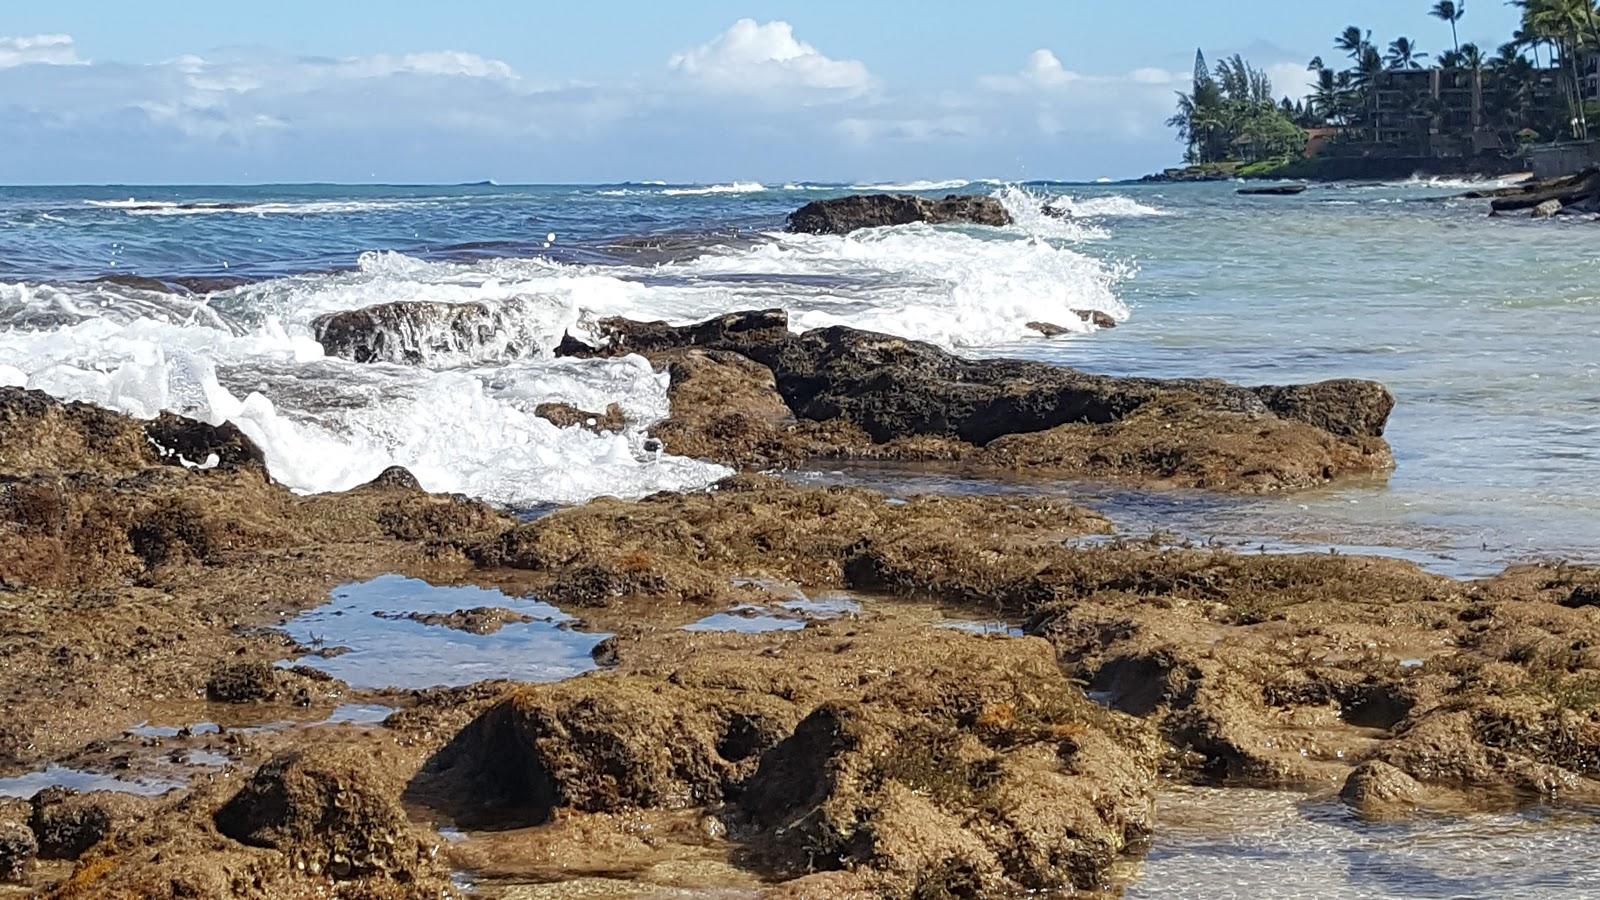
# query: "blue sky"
{"type": "Point", "coordinates": [168, 91]}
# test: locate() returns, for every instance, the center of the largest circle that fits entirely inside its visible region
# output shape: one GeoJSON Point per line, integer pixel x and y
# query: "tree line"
{"type": "Point", "coordinates": [1230, 110]}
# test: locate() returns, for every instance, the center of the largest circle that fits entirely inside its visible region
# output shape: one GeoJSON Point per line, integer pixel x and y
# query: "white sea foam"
{"type": "Point", "coordinates": [134, 207]}
{"type": "Point", "coordinates": [1463, 184]}
{"type": "Point", "coordinates": [920, 185]}
{"type": "Point", "coordinates": [328, 424]}
{"type": "Point", "coordinates": [463, 421]}
{"type": "Point", "coordinates": [737, 187]}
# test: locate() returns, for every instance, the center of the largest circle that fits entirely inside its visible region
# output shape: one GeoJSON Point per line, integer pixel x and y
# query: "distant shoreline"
{"type": "Point", "coordinates": [1353, 168]}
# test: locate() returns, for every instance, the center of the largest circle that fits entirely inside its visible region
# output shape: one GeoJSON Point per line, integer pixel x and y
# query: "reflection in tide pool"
{"type": "Point", "coordinates": [1223, 843]}
{"type": "Point", "coordinates": [389, 650]}
{"type": "Point", "coordinates": [28, 784]}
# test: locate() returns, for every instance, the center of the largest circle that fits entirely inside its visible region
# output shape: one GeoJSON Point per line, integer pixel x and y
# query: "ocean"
{"type": "Point", "coordinates": [1485, 329]}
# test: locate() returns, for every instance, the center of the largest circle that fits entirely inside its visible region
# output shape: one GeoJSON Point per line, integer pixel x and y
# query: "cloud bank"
{"type": "Point", "coordinates": [753, 102]}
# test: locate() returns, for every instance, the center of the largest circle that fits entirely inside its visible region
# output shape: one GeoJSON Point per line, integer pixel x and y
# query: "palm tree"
{"type": "Point", "coordinates": [1403, 54]}
{"type": "Point", "coordinates": [1448, 11]}
{"type": "Point", "coordinates": [1353, 41]}
{"type": "Point", "coordinates": [1472, 57]}
{"type": "Point", "coordinates": [1566, 25]}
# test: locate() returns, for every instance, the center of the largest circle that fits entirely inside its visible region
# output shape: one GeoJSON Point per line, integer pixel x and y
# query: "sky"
{"type": "Point", "coordinates": [183, 92]}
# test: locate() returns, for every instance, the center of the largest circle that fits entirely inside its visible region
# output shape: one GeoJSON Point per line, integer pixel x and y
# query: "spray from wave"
{"type": "Point", "coordinates": [737, 187]}
{"type": "Point", "coordinates": [462, 413]}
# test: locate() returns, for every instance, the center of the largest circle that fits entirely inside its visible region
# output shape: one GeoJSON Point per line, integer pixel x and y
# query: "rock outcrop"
{"type": "Point", "coordinates": [920, 764]}
{"type": "Point", "coordinates": [1568, 190]}
{"type": "Point", "coordinates": [867, 395]}
{"type": "Point", "coordinates": [843, 215]}
{"type": "Point", "coordinates": [325, 811]}
{"type": "Point", "coordinates": [1275, 190]}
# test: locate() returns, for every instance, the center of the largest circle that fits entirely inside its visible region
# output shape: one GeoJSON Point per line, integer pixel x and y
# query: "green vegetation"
{"type": "Point", "coordinates": [1396, 99]}
{"type": "Point", "coordinates": [1230, 114]}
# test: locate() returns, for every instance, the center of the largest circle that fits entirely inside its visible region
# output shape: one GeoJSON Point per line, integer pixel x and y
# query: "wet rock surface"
{"type": "Point", "coordinates": [419, 332]}
{"type": "Point", "coordinates": [865, 755]}
{"type": "Point", "coordinates": [327, 811]}
{"type": "Point", "coordinates": [565, 415]}
{"type": "Point", "coordinates": [857, 394]}
{"type": "Point", "coordinates": [843, 215]}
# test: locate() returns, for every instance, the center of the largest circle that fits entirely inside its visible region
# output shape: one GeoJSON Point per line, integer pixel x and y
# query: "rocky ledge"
{"type": "Point", "coordinates": [843, 215]}
{"type": "Point", "coordinates": [866, 755]}
{"type": "Point", "coordinates": [747, 392]}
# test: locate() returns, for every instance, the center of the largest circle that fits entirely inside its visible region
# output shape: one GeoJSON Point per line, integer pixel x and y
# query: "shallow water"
{"type": "Point", "coordinates": [387, 652]}
{"type": "Point", "coordinates": [30, 783]}
{"type": "Point", "coordinates": [1219, 844]}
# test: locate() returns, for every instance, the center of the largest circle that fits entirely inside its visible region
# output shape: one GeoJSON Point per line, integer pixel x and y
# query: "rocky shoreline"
{"type": "Point", "coordinates": [147, 569]}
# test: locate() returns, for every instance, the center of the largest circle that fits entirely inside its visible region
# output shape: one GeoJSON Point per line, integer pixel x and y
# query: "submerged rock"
{"type": "Point", "coordinates": [565, 415]}
{"type": "Point", "coordinates": [843, 215]}
{"type": "Point", "coordinates": [1377, 788]}
{"type": "Point", "coordinates": [423, 332]}
{"type": "Point", "coordinates": [1276, 190]}
{"type": "Point", "coordinates": [1564, 191]}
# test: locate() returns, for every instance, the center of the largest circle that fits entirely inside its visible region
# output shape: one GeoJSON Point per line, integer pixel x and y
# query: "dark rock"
{"type": "Point", "coordinates": [186, 442]}
{"type": "Point", "coordinates": [419, 332]}
{"type": "Point", "coordinates": [843, 215]}
{"type": "Point", "coordinates": [67, 823]}
{"type": "Point", "coordinates": [478, 620]}
{"type": "Point", "coordinates": [245, 682]}
{"type": "Point", "coordinates": [323, 809]}
{"type": "Point", "coordinates": [137, 282]}
{"type": "Point", "coordinates": [1376, 787]}
{"type": "Point", "coordinates": [893, 387]}
{"type": "Point", "coordinates": [737, 329]}
{"type": "Point", "coordinates": [1276, 190]}
{"type": "Point", "coordinates": [1347, 407]}
{"type": "Point", "coordinates": [18, 847]}
{"type": "Point", "coordinates": [1093, 316]}
{"type": "Point", "coordinates": [208, 284]}
{"type": "Point", "coordinates": [565, 415]}
{"type": "Point", "coordinates": [1096, 318]}
{"type": "Point", "coordinates": [1583, 595]}
{"type": "Point", "coordinates": [1565, 190]}
{"type": "Point", "coordinates": [397, 478]}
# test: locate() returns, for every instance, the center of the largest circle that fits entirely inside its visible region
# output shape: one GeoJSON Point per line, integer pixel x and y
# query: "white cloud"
{"type": "Point", "coordinates": [1051, 100]}
{"type": "Point", "coordinates": [48, 49]}
{"type": "Point", "coordinates": [758, 58]}
{"type": "Point", "coordinates": [447, 63]}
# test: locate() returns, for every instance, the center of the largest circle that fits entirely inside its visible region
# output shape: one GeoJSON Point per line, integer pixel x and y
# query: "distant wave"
{"type": "Point", "coordinates": [737, 187]}
{"type": "Point", "coordinates": [135, 207]}
{"type": "Point", "coordinates": [949, 184]}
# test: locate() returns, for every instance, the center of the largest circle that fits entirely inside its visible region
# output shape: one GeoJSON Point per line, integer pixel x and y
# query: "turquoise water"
{"type": "Point", "coordinates": [1484, 328]}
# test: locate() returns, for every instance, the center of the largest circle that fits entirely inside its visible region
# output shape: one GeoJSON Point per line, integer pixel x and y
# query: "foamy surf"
{"type": "Point", "coordinates": [462, 417]}
{"type": "Point", "coordinates": [737, 187]}
{"type": "Point", "coordinates": [135, 207]}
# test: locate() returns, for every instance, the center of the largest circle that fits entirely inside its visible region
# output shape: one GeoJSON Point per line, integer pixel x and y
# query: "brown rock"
{"type": "Point", "coordinates": [323, 810]}
{"type": "Point", "coordinates": [17, 851]}
{"type": "Point", "coordinates": [565, 415]}
{"type": "Point", "coordinates": [67, 823]}
{"type": "Point", "coordinates": [1375, 787]}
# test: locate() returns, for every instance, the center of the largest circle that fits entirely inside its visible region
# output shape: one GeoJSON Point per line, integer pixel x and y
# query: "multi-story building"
{"type": "Point", "coordinates": [1444, 112]}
